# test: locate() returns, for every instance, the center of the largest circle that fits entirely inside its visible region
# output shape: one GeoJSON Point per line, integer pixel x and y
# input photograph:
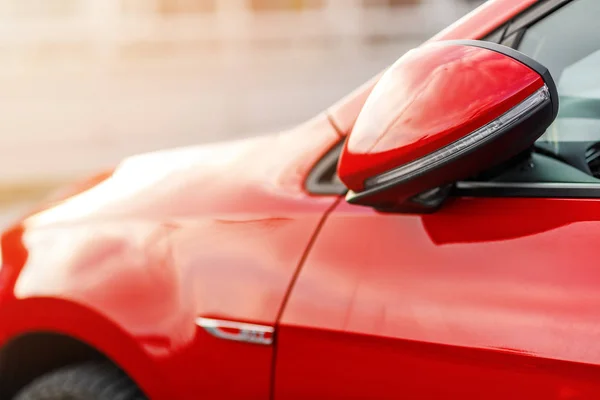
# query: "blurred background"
{"type": "Point", "coordinates": [84, 83]}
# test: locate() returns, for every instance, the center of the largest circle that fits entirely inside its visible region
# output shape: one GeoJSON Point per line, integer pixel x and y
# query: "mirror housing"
{"type": "Point", "coordinates": [443, 112]}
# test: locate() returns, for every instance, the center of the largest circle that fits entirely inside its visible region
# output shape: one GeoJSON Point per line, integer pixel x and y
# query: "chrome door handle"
{"type": "Point", "coordinates": [237, 331]}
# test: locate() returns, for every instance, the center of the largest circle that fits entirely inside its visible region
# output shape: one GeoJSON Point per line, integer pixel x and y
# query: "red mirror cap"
{"type": "Point", "coordinates": [431, 97]}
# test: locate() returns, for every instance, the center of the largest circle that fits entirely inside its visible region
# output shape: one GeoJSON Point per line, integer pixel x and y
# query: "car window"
{"type": "Point", "coordinates": [567, 43]}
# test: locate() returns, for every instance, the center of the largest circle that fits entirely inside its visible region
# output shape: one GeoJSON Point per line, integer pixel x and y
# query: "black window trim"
{"type": "Point", "coordinates": [514, 39]}
{"type": "Point", "coordinates": [558, 190]}
{"type": "Point", "coordinates": [314, 183]}
{"type": "Point", "coordinates": [497, 34]}
{"type": "Point", "coordinates": [533, 14]}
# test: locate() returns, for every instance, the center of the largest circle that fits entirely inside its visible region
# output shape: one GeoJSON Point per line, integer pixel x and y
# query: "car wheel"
{"type": "Point", "coordinates": [90, 381]}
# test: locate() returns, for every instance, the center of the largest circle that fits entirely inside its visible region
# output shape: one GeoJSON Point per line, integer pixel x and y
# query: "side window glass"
{"type": "Point", "coordinates": [567, 43]}
{"type": "Point", "coordinates": [565, 39]}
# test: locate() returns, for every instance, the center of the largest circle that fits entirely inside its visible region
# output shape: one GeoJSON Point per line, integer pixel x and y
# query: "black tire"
{"type": "Point", "coordinates": [90, 381]}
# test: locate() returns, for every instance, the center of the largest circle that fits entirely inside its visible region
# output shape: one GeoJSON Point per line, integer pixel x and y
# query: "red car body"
{"type": "Point", "coordinates": [486, 298]}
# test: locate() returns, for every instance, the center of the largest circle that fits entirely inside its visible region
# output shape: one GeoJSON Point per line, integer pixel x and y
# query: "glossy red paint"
{"type": "Point", "coordinates": [431, 97]}
{"type": "Point", "coordinates": [474, 25]}
{"type": "Point", "coordinates": [129, 259]}
{"type": "Point", "coordinates": [215, 231]}
{"type": "Point", "coordinates": [486, 298]}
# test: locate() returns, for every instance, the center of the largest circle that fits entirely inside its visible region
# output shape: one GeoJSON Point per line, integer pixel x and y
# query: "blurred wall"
{"type": "Point", "coordinates": [87, 82]}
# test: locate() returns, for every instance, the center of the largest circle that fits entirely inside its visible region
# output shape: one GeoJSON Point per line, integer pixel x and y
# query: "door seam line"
{"type": "Point", "coordinates": [291, 286]}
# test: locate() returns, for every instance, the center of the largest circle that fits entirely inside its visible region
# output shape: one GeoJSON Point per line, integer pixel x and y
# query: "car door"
{"type": "Point", "coordinates": [496, 295]}
{"type": "Point", "coordinates": [487, 298]}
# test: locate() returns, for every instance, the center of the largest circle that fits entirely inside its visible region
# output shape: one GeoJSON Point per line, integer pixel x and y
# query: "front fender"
{"type": "Point", "coordinates": [110, 285]}
{"type": "Point", "coordinates": [86, 325]}
{"type": "Point", "coordinates": [126, 275]}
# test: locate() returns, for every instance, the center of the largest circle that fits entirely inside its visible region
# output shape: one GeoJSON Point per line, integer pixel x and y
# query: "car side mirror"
{"type": "Point", "coordinates": [443, 112]}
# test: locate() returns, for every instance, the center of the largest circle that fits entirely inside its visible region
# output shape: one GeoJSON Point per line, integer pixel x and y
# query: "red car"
{"type": "Point", "coordinates": [447, 253]}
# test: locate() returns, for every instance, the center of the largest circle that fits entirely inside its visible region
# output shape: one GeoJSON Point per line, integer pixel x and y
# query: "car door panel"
{"type": "Point", "coordinates": [486, 298]}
